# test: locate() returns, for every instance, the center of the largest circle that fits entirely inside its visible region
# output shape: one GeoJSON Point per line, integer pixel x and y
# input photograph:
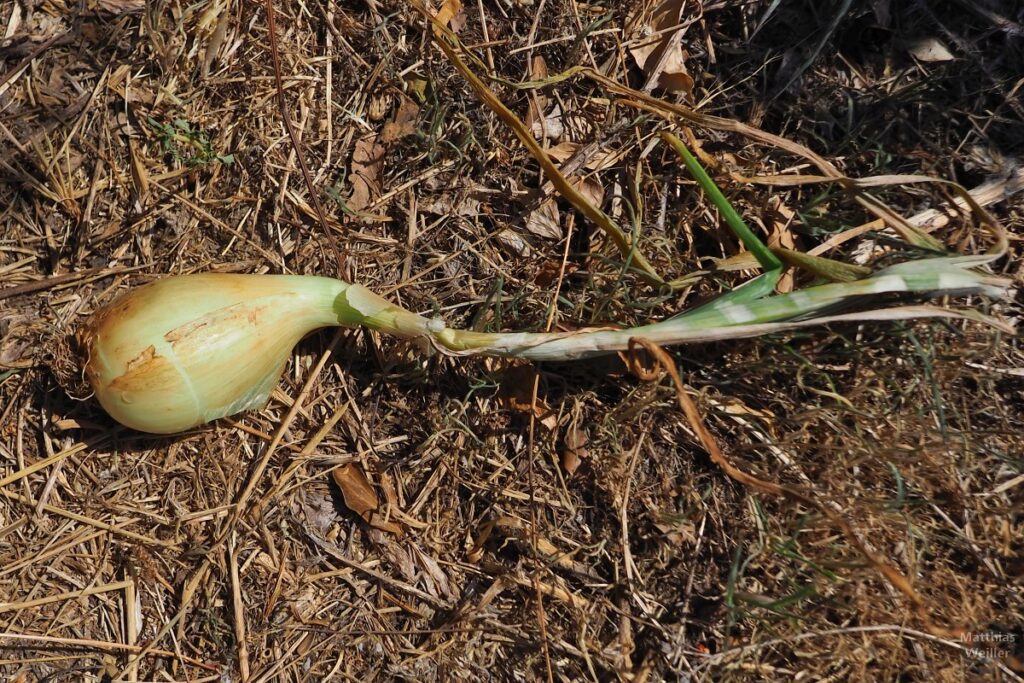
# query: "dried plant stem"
{"type": "Point", "coordinates": [314, 196]}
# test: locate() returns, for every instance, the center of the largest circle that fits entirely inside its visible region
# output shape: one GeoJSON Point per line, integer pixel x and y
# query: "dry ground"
{"type": "Point", "coordinates": [138, 139]}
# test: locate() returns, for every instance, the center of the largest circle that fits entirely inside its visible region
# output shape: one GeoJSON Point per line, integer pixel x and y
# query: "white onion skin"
{"type": "Point", "coordinates": [185, 350]}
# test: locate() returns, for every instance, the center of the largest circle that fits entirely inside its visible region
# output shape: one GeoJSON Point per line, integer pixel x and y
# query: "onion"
{"type": "Point", "coordinates": [190, 349]}
{"type": "Point", "coordinates": [186, 350]}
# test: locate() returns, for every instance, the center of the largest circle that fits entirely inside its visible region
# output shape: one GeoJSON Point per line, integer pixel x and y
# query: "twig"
{"type": "Point", "coordinates": [105, 645]}
{"type": "Point", "coordinates": [60, 597]}
{"type": "Point", "coordinates": [58, 281]}
{"type": "Point", "coordinates": [343, 270]}
{"type": "Point", "coordinates": [238, 609]}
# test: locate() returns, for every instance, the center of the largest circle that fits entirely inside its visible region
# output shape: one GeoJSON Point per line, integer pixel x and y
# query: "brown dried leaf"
{"type": "Point", "coordinates": [361, 498]}
{"type": "Point", "coordinates": [657, 47]}
{"type": "Point", "coordinates": [517, 394]}
{"type": "Point", "coordinates": [403, 123]}
{"type": "Point", "coordinates": [575, 451]}
{"type": "Point", "coordinates": [453, 14]}
{"type": "Point", "coordinates": [544, 221]}
{"type": "Point", "coordinates": [359, 495]}
{"type": "Point", "coordinates": [367, 163]}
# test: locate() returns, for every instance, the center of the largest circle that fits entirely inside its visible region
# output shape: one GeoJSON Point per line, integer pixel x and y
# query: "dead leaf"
{"type": "Point", "coordinates": [591, 189]}
{"type": "Point", "coordinates": [549, 125]}
{"type": "Point", "coordinates": [453, 14]}
{"type": "Point", "coordinates": [517, 394]}
{"type": "Point", "coordinates": [140, 176]}
{"type": "Point", "coordinates": [657, 46]}
{"type": "Point", "coordinates": [930, 50]}
{"type": "Point", "coordinates": [359, 495]}
{"type": "Point", "coordinates": [562, 151]}
{"type": "Point", "coordinates": [435, 578]}
{"type": "Point", "coordinates": [575, 450]}
{"type": "Point", "coordinates": [404, 121]}
{"type": "Point", "coordinates": [121, 6]}
{"type": "Point", "coordinates": [361, 498]}
{"type": "Point", "coordinates": [544, 221]}
{"type": "Point", "coordinates": [367, 163]}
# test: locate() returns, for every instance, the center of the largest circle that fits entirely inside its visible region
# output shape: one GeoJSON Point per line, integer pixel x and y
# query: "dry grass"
{"type": "Point", "coordinates": [127, 557]}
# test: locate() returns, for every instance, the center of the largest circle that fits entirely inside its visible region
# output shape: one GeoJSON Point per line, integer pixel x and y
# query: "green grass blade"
{"type": "Point", "coordinates": [764, 255]}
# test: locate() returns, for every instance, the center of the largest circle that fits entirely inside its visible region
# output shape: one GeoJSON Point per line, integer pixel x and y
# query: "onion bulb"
{"type": "Point", "coordinates": [187, 350]}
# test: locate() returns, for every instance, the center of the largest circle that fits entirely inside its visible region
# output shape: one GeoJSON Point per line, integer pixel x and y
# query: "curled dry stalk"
{"type": "Point", "coordinates": [664, 364]}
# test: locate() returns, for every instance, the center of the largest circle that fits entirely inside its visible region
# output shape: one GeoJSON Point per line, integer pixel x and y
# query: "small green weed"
{"type": "Point", "coordinates": [187, 144]}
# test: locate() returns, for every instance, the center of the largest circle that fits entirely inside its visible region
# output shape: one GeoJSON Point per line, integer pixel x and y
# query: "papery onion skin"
{"type": "Point", "coordinates": [186, 350]}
